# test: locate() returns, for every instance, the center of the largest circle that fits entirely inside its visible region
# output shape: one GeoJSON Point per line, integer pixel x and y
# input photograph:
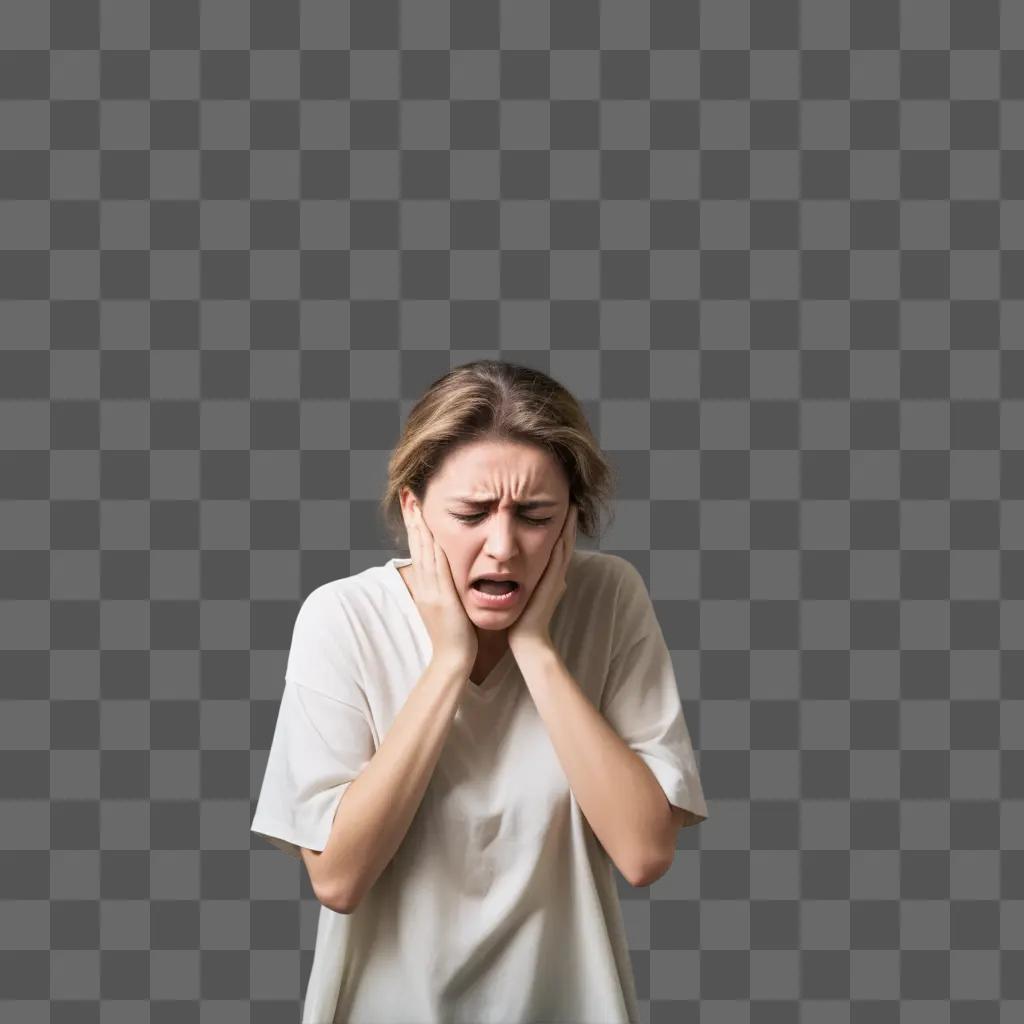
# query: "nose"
{"type": "Point", "coordinates": [501, 537]}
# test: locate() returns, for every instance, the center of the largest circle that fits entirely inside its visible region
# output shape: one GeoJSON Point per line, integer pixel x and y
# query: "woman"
{"type": "Point", "coordinates": [458, 764]}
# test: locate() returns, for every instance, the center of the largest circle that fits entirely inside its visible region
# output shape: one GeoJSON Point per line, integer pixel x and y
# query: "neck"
{"type": "Point", "coordinates": [493, 640]}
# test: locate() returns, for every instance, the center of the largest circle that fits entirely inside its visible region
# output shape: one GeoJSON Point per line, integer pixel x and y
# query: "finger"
{"type": "Point", "coordinates": [412, 536]}
{"type": "Point", "coordinates": [429, 554]}
{"type": "Point", "coordinates": [446, 567]}
{"type": "Point", "coordinates": [445, 577]}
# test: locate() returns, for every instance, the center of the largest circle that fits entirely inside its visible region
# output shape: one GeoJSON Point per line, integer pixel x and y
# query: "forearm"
{"type": "Point", "coordinates": [618, 794]}
{"type": "Point", "coordinates": [378, 807]}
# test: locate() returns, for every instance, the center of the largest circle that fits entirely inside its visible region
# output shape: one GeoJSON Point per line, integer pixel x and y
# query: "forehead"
{"type": "Point", "coordinates": [494, 468]}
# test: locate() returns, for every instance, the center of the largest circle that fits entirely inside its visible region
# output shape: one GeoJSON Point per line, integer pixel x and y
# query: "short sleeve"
{"type": "Point", "coordinates": [322, 738]}
{"type": "Point", "coordinates": [641, 701]}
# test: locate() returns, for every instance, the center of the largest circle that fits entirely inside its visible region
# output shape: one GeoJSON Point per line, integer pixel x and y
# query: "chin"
{"type": "Point", "coordinates": [486, 623]}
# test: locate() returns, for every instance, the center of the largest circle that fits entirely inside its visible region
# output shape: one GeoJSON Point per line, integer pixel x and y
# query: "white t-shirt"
{"type": "Point", "coordinates": [500, 904]}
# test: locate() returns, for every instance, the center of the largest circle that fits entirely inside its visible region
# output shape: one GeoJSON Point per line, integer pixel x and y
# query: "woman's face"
{"type": "Point", "coordinates": [496, 507]}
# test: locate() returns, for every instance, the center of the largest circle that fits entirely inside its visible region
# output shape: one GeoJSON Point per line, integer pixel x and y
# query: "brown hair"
{"type": "Point", "coordinates": [491, 400]}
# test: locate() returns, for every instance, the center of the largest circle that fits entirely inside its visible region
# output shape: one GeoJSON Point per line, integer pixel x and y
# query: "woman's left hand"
{"type": "Point", "coordinates": [532, 626]}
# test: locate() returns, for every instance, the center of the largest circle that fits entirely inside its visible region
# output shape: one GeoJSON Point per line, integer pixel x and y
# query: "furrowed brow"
{"type": "Point", "coordinates": [486, 502]}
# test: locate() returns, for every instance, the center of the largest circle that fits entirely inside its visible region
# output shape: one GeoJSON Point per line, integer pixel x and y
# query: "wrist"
{"type": "Point", "coordinates": [531, 645]}
{"type": "Point", "coordinates": [451, 667]}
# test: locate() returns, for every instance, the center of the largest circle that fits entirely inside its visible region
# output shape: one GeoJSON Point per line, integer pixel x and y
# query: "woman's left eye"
{"type": "Point", "coordinates": [479, 515]}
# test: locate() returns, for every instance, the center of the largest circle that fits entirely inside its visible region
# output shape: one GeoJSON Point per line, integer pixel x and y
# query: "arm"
{"type": "Point", "coordinates": [619, 795]}
{"type": "Point", "coordinates": [377, 809]}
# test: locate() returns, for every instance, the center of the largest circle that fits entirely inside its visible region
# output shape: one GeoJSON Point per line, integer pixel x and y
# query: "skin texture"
{"type": "Point", "coordinates": [501, 539]}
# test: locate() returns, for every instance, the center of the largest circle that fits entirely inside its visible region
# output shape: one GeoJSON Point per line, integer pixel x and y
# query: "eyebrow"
{"type": "Point", "coordinates": [484, 502]}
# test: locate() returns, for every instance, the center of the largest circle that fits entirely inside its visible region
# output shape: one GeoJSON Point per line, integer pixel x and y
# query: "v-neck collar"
{"type": "Point", "coordinates": [487, 685]}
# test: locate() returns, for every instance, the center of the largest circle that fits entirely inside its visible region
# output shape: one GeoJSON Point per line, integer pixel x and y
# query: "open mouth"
{"type": "Point", "coordinates": [494, 593]}
{"type": "Point", "coordinates": [492, 586]}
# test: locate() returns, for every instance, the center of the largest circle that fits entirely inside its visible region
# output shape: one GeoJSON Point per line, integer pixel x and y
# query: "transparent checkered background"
{"type": "Point", "coordinates": [776, 249]}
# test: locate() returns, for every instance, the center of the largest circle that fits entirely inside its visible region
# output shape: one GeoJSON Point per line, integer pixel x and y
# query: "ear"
{"type": "Point", "coordinates": [407, 502]}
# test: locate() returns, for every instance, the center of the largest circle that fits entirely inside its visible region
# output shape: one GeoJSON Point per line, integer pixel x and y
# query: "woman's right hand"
{"type": "Point", "coordinates": [451, 631]}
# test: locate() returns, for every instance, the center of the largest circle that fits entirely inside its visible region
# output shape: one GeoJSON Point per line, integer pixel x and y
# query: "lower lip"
{"type": "Point", "coordinates": [496, 600]}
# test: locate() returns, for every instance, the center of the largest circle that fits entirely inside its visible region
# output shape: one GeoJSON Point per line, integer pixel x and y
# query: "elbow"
{"type": "Point", "coordinates": [660, 854]}
{"type": "Point", "coordinates": [329, 892]}
{"type": "Point", "coordinates": [650, 873]}
{"type": "Point", "coordinates": [334, 899]}
{"type": "Point", "coordinates": [339, 907]}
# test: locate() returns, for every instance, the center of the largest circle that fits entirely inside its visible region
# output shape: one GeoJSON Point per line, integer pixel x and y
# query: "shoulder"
{"type": "Point", "coordinates": [345, 600]}
{"type": "Point", "coordinates": [329, 626]}
{"type": "Point", "coordinates": [605, 606]}
{"type": "Point", "coordinates": [609, 591]}
{"type": "Point", "coordinates": [319, 609]}
{"type": "Point", "coordinates": [613, 574]}
{"type": "Point", "coordinates": [617, 600]}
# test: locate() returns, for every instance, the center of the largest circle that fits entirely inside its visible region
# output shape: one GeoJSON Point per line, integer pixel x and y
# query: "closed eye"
{"type": "Point", "coordinates": [479, 515]}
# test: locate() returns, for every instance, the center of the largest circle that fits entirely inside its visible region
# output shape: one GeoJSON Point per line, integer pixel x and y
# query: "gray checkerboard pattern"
{"type": "Point", "coordinates": [776, 248]}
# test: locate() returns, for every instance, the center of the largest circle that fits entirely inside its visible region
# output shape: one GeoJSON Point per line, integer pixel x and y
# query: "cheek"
{"type": "Point", "coordinates": [458, 558]}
